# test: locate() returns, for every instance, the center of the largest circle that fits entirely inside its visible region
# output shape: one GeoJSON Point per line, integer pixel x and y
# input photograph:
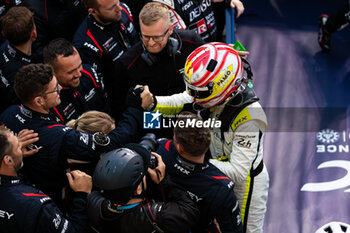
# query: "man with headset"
{"type": "Point", "coordinates": [157, 60]}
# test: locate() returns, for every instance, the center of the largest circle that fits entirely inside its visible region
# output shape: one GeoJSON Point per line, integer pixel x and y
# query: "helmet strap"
{"type": "Point", "coordinates": [143, 192]}
{"type": "Point", "coordinates": [236, 100]}
{"type": "Point", "coordinates": [197, 107]}
{"type": "Point", "coordinates": [248, 69]}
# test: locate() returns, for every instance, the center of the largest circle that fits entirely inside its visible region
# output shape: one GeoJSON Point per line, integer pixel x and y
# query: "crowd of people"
{"type": "Point", "coordinates": [76, 79]}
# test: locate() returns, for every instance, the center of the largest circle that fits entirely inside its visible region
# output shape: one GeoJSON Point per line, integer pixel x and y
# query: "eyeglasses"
{"type": "Point", "coordinates": [57, 89]}
{"type": "Point", "coordinates": [154, 38]}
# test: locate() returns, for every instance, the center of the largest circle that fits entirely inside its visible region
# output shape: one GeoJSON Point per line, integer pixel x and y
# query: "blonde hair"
{"type": "Point", "coordinates": [152, 12]}
{"type": "Point", "coordinates": [92, 122]}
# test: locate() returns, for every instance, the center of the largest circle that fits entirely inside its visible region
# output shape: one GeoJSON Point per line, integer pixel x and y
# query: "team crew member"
{"type": "Point", "coordinates": [92, 122]}
{"type": "Point", "coordinates": [104, 35]}
{"type": "Point", "coordinates": [82, 90]}
{"type": "Point", "coordinates": [158, 59]}
{"type": "Point", "coordinates": [207, 185]}
{"type": "Point", "coordinates": [38, 90]}
{"type": "Point", "coordinates": [5, 6]}
{"type": "Point", "coordinates": [24, 208]}
{"type": "Point", "coordinates": [215, 82]}
{"type": "Point", "coordinates": [19, 29]}
{"type": "Point", "coordinates": [124, 206]}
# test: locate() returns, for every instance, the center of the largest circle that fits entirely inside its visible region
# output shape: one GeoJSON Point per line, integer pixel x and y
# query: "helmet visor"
{"type": "Point", "coordinates": [199, 92]}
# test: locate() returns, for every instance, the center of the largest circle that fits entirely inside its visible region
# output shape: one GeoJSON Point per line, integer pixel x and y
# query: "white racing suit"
{"type": "Point", "coordinates": [239, 155]}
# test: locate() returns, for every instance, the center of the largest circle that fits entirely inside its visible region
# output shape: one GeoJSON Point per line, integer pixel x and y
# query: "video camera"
{"type": "Point", "coordinates": [149, 142]}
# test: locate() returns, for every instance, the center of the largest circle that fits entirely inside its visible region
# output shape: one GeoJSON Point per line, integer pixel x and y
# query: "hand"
{"type": "Point", "coordinates": [25, 138]}
{"type": "Point", "coordinates": [157, 174]}
{"type": "Point", "coordinates": [133, 96]}
{"type": "Point", "coordinates": [147, 97]}
{"type": "Point", "coordinates": [79, 181]}
{"type": "Point", "coordinates": [243, 54]}
{"type": "Point", "coordinates": [238, 5]}
{"type": "Point", "coordinates": [234, 4]}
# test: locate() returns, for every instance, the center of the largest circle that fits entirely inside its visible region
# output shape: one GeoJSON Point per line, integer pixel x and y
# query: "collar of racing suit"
{"type": "Point", "coordinates": [99, 27]}
{"type": "Point", "coordinates": [17, 54]}
{"type": "Point", "coordinates": [191, 166]}
{"type": "Point", "coordinates": [9, 180]}
{"type": "Point", "coordinates": [31, 114]}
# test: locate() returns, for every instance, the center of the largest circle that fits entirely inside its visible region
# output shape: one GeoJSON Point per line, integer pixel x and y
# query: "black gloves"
{"type": "Point", "coordinates": [133, 98]}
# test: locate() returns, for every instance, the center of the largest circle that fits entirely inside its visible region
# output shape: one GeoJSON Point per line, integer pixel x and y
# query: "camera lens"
{"type": "Point", "coordinates": [149, 142]}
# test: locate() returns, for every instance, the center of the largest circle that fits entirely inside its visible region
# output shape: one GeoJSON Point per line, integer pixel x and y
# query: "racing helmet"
{"type": "Point", "coordinates": [118, 173]}
{"type": "Point", "coordinates": [212, 72]}
{"type": "Point", "coordinates": [334, 227]}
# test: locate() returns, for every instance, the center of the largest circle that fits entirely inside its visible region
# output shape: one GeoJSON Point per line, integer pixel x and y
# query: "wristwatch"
{"type": "Point", "coordinates": [101, 139]}
{"type": "Point", "coordinates": [153, 105]}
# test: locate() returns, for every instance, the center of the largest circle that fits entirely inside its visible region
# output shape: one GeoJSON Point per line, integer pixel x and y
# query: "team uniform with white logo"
{"type": "Point", "coordinates": [89, 95]}
{"type": "Point", "coordinates": [11, 60]}
{"type": "Point", "coordinates": [25, 209]}
{"type": "Point", "coordinates": [46, 169]}
{"type": "Point", "coordinates": [100, 46]}
{"type": "Point", "coordinates": [206, 185]}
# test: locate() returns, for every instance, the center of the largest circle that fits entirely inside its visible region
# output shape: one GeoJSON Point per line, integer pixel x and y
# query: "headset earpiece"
{"type": "Point", "coordinates": [147, 57]}
{"type": "Point", "coordinates": [172, 50]}
{"type": "Point", "coordinates": [38, 101]}
{"type": "Point", "coordinates": [172, 46]}
{"type": "Point", "coordinates": [8, 159]}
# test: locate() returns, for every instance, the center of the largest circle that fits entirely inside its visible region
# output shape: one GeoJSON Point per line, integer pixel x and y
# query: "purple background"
{"type": "Point", "coordinates": [303, 90]}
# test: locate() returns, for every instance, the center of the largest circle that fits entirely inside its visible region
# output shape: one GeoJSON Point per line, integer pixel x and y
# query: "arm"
{"type": "Point", "coordinates": [179, 213]}
{"type": "Point", "coordinates": [243, 54]}
{"type": "Point", "coordinates": [86, 146]}
{"type": "Point", "coordinates": [121, 85]}
{"type": "Point", "coordinates": [51, 219]}
{"type": "Point", "coordinates": [170, 105]}
{"type": "Point", "coordinates": [94, 205]}
{"type": "Point", "coordinates": [238, 5]}
{"type": "Point", "coordinates": [228, 216]}
{"type": "Point", "coordinates": [234, 4]}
